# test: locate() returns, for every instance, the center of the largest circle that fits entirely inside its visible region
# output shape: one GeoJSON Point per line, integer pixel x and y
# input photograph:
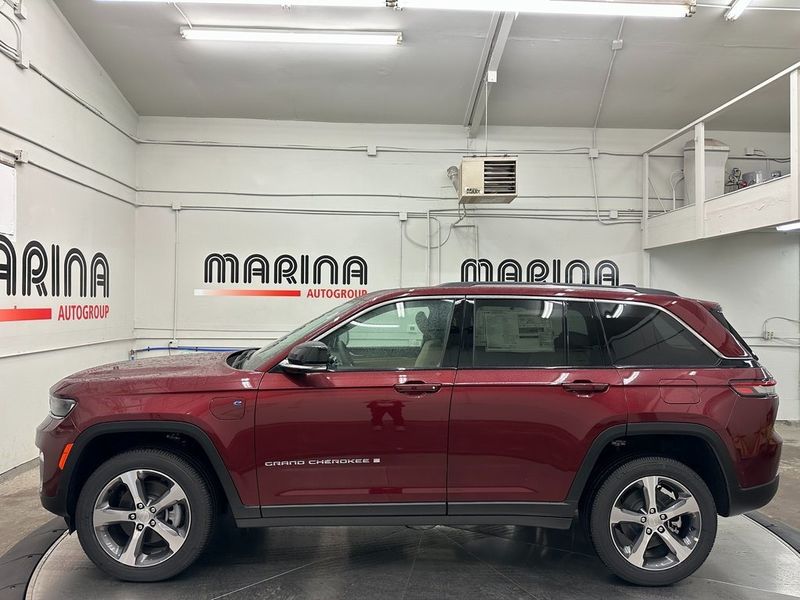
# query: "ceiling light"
{"type": "Point", "coordinates": [789, 226]}
{"type": "Point", "coordinates": [301, 36]}
{"type": "Point", "coordinates": [571, 7]}
{"type": "Point", "coordinates": [350, 3]}
{"type": "Point", "coordinates": [736, 9]}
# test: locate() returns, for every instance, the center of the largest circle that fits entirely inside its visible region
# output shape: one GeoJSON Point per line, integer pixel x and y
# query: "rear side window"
{"type": "Point", "coordinates": [643, 336]}
{"type": "Point", "coordinates": [585, 344]}
{"type": "Point", "coordinates": [518, 333]}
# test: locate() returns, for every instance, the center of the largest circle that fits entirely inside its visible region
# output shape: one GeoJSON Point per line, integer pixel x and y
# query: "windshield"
{"type": "Point", "coordinates": [260, 356]}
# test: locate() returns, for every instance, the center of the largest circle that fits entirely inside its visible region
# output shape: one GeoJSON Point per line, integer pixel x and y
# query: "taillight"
{"type": "Point", "coordinates": [753, 388]}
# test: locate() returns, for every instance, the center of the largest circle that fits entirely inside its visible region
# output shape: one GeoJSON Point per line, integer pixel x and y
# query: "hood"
{"type": "Point", "coordinates": [183, 373]}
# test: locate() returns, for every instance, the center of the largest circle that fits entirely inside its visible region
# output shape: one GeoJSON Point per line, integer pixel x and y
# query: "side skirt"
{"type": "Point", "coordinates": [556, 515]}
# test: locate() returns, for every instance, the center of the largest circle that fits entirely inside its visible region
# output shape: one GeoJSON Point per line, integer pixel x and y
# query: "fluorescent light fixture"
{"type": "Point", "coordinates": [789, 226]}
{"type": "Point", "coordinates": [619, 8]}
{"type": "Point", "coordinates": [566, 7]}
{"type": "Point", "coordinates": [300, 36]}
{"type": "Point", "coordinates": [335, 3]}
{"type": "Point", "coordinates": [736, 9]}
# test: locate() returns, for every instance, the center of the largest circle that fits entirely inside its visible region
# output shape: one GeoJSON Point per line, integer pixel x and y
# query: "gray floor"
{"type": "Point", "coordinates": [395, 562]}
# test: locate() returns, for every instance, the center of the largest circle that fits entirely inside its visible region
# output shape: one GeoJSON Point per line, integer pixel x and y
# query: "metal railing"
{"type": "Point", "coordinates": [698, 129]}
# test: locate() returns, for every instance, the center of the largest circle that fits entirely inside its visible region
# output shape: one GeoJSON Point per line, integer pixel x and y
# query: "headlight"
{"type": "Point", "coordinates": [60, 407]}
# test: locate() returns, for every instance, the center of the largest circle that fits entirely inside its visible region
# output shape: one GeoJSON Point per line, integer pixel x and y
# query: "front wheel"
{"type": "Point", "coordinates": [653, 521]}
{"type": "Point", "coordinates": [144, 515]}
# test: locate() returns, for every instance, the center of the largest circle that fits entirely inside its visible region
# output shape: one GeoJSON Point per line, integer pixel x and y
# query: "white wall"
{"type": "Point", "coordinates": [54, 210]}
{"type": "Point", "coordinates": [754, 276]}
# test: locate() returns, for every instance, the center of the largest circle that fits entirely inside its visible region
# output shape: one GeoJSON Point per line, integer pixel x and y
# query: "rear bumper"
{"type": "Point", "coordinates": [743, 500]}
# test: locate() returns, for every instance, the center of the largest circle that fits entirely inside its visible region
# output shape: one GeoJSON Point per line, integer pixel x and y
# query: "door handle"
{"type": "Point", "coordinates": [585, 388]}
{"type": "Point", "coordinates": [417, 387]}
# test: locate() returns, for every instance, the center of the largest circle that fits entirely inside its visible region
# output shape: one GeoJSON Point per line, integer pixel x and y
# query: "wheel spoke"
{"type": "Point", "coordinates": [173, 538]}
{"type": "Point", "coordinates": [109, 516]}
{"type": "Point", "coordinates": [682, 506]}
{"type": "Point", "coordinates": [172, 496]}
{"type": "Point", "coordinates": [134, 485]}
{"type": "Point", "coordinates": [133, 549]}
{"type": "Point", "coordinates": [623, 515]}
{"type": "Point", "coordinates": [675, 545]}
{"type": "Point", "coordinates": [649, 485]}
{"type": "Point", "coordinates": [636, 556]}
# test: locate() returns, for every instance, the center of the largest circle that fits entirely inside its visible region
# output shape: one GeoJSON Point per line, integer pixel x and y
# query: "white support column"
{"type": "Point", "coordinates": [794, 141]}
{"type": "Point", "coordinates": [700, 178]}
{"type": "Point", "coordinates": [644, 280]}
{"type": "Point", "coordinates": [645, 197]}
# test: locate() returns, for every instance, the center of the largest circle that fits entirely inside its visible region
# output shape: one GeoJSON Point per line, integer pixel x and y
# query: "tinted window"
{"type": "Point", "coordinates": [585, 345]}
{"type": "Point", "coordinates": [402, 335]}
{"type": "Point", "coordinates": [518, 333]}
{"type": "Point", "coordinates": [648, 337]}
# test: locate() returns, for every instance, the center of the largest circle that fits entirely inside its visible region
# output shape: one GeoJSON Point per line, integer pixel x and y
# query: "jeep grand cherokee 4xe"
{"type": "Point", "coordinates": [638, 414]}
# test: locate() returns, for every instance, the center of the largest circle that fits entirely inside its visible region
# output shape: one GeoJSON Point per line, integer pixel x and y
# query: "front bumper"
{"type": "Point", "coordinates": [52, 435]}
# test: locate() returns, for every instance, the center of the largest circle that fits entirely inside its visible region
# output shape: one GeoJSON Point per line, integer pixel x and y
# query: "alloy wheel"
{"type": "Point", "coordinates": [655, 523]}
{"type": "Point", "coordinates": [141, 518]}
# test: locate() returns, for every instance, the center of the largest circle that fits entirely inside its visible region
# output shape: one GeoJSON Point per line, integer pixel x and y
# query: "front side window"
{"type": "Point", "coordinates": [644, 336]}
{"type": "Point", "coordinates": [402, 335]}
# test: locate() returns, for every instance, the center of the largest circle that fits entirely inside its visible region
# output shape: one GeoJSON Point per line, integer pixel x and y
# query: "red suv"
{"type": "Point", "coordinates": [640, 413]}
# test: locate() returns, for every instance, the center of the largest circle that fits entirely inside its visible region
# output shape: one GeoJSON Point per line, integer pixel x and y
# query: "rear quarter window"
{"type": "Point", "coordinates": [644, 336]}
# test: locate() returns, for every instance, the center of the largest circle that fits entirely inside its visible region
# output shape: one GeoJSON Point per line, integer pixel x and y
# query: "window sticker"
{"type": "Point", "coordinates": [515, 329]}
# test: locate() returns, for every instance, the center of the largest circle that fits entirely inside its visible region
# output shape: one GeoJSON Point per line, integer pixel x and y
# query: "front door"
{"type": "Point", "coordinates": [534, 388]}
{"type": "Point", "coordinates": [373, 428]}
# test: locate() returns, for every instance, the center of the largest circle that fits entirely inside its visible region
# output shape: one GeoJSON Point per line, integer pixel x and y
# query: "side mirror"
{"type": "Point", "coordinates": [309, 357]}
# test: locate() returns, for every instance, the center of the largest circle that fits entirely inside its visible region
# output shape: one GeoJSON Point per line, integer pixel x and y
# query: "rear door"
{"type": "Point", "coordinates": [533, 390]}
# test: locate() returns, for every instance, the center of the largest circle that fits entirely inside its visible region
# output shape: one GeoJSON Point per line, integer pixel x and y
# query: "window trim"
{"type": "Point", "coordinates": [456, 300]}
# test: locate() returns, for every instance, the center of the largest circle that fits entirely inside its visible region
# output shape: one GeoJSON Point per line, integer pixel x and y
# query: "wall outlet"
{"type": "Point", "coordinates": [749, 151]}
{"type": "Point", "coordinates": [594, 153]}
{"type": "Point", "coordinates": [768, 335]}
{"type": "Point", "coordinates": [403, 216]}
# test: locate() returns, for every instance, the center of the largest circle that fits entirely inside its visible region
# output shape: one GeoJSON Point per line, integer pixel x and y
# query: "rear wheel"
{"type": "Point", "coordinates": [653, 521]}
{"type": "Point", "coordinates": [145, 515]}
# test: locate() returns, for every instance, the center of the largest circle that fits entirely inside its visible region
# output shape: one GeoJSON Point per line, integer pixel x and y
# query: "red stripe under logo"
{"type": "Point", "coordinates": [25, 314]}
{"type": "Point", "coordinates": [242, 293]}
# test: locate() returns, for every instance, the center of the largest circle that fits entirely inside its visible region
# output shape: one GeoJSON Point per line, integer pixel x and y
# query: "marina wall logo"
{"type": "Point", "coordinates": [577, 271]}
{"type": "Point", "coordinates": [49, 272]}
{"type": "Point", "coordinates": [324, 276]}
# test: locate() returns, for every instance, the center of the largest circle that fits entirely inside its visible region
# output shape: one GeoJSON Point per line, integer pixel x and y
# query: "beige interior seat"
{"type": "Point", "coordinates": [432, 351]}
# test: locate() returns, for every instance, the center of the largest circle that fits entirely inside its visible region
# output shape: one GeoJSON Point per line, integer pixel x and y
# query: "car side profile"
{"type": "Point", "coordinates": [636, 414]}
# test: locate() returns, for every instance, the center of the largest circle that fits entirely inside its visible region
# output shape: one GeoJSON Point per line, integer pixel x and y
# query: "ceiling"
{"type": "Point", "coordinates": [552, 71]}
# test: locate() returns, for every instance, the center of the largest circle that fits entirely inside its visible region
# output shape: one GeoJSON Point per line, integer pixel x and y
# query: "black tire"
{"type": "Point", "coordinates": [620, 480]}
{"type": "Point", "coordinates": [191, 479]}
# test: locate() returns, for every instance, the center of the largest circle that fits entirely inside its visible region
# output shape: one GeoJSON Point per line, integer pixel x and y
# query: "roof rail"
{"type": "Point", "coordinates": [627, 286]}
